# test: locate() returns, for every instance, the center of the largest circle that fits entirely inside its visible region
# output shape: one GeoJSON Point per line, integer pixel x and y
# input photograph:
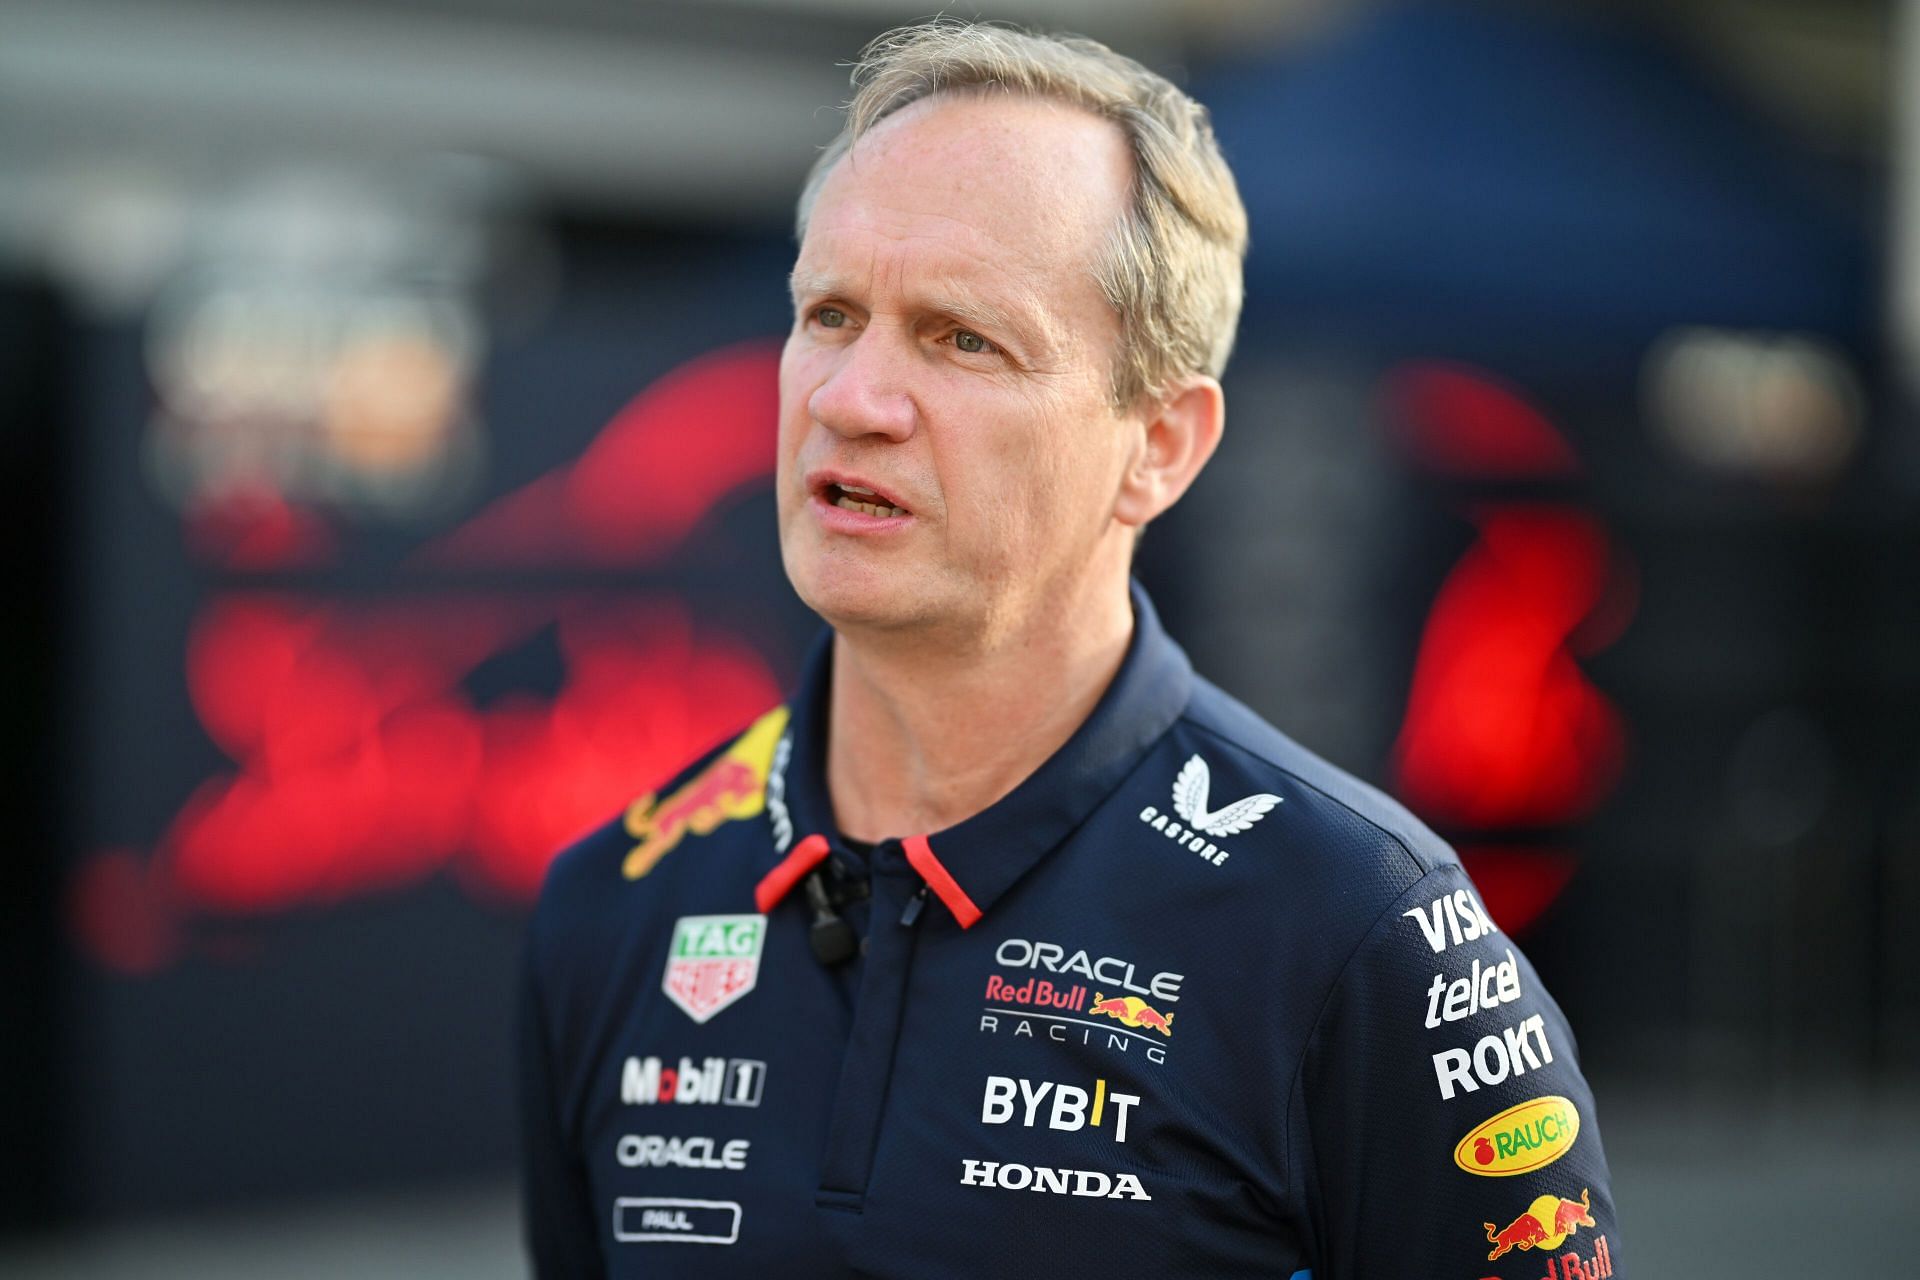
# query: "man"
{"type": "Point", "coordinates": [1008, 943]}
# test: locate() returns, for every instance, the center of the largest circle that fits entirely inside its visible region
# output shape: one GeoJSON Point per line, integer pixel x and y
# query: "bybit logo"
{"type": "Point", "coordinates": [1072, 1107]}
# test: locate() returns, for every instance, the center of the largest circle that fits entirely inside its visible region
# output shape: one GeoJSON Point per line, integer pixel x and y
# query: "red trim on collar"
{"type": "Point", "coordinates": [779, 882]}
{"type": "Point", "coordinates": [920, 855]}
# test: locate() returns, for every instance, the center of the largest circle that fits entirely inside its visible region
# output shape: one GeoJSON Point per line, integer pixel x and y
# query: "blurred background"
{"type": "Point", "coordinates": [386, 398]}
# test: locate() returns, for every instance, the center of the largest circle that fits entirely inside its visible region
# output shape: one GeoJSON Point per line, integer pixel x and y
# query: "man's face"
{"type": "Point", "coordinates": [952, 353]}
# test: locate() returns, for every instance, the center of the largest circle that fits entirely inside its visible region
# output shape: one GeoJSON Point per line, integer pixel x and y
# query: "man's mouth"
{"type": "Point", "coordinates": [852, 497]}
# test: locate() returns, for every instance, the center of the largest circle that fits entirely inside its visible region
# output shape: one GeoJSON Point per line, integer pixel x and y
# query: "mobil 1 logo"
{"type": "Point", "coordinates": [732, 1082]}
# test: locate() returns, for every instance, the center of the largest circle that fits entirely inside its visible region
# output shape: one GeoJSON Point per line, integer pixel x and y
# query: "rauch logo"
{"type": "Point", "coordinates": [1520, 1139]}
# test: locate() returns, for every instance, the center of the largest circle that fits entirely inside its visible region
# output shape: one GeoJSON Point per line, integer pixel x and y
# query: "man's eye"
{"type": "Point", "coordinates": [970, 342]}
{"type": "Point", "coordinates": [830, 317]}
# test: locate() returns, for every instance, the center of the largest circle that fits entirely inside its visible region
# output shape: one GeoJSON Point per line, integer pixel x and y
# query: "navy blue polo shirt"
{"type": "Point", "coordinates": [1188, 1001]}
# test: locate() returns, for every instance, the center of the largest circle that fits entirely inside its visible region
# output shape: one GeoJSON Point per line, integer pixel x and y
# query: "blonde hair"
{"type": "Point", "coordinates": [1171, 268]}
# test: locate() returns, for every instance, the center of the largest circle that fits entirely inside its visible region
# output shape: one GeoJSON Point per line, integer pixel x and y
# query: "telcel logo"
{"type": "Point", "coordinates": [1487, 987]}
{"type": "Point", "coordinates": [1070, 1110]}
{"type": "Point", "coordinates": [1520, 1139]}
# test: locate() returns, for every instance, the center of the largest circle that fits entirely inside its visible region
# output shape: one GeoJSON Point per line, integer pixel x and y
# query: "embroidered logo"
{"type": "Point", "coordinates": [1190, 802]}
{"type": "Point", "coordinates": [1191, 793]}
{"type": "Point", "coordinates": [714, 960]}
{"type": "Point", "coordinates": [731, 788]}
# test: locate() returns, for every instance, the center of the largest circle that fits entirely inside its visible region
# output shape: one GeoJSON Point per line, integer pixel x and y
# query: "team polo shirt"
{"type": "Point", "coordinates": [1188, 1002]}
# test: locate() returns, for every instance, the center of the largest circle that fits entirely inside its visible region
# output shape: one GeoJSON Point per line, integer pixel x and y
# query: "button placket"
{"type": "Point", "coordinates": [860, 1099]}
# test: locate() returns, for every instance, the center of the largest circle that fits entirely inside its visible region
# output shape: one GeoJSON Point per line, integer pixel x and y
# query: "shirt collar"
{"type": "Point", "coordinates": [971, 864]}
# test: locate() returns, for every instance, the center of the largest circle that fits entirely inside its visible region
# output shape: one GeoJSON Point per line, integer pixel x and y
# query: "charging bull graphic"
{"type": "Point", "coordinates": [1132, 1011]}
{"type": "Point", "coordinates": [1548, 1221]}
{"type": "Point", "coordinates": [732, 787]}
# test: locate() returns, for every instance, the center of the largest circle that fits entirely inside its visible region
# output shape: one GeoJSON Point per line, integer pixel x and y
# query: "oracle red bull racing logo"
{"type": "Point", "coordinates": [1063, 1010]}
{"type": "Point", "coordinates": [1546, 1224]}
{"type": "Point", "coordinates": [731, 788]}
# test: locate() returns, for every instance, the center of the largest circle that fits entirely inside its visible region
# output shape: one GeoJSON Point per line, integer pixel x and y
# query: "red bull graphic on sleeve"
{"type": "Point", "coordinates": [714, 960]}
{"type": "Point", "coordinates": [1529, 1136]}
{"type": "Point", "coordinates": [1546, 1224]}
{"type": "Point", "coordinates": [731, 788]}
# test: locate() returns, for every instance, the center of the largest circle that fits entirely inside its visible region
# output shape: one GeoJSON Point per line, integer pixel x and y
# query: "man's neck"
{"type": "Point", "coordinates": [920, 740]}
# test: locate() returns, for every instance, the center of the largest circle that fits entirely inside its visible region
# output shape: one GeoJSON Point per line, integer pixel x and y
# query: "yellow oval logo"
{"type": "Point", "coordinates": [1520, 1139]}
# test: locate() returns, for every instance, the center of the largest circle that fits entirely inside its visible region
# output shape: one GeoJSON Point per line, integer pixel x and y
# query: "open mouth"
{"type": "Point", "coordinates": [852, 497]}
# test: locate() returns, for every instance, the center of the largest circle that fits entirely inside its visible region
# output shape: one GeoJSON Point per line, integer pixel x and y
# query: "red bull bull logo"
{"type": "Point", "coordinates": [1546, 1224]}
{"type": "Point", "coordinates": [731, 788]}
{"type": "Point", "coordinates": [1571, 1266]}
{"type": "Point", "coordinates": [1132, 1011]}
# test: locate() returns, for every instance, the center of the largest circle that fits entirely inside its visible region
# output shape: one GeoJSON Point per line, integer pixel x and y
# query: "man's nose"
{"type": "Point", "coordinates": [867, 393]}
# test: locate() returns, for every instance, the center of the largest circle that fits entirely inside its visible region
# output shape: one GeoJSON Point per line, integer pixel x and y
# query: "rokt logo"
{"type": "Point", "coordinates": [1190, 796]}
{"type": "Point", "coordinates": [734, 1082]}
{"type": "Point", "coordinates": [1006, 1095]}
{"type": "Point", "coordinates": [1495, 1058]}
{"type": "Point", "coordinates": [1078, 1182]}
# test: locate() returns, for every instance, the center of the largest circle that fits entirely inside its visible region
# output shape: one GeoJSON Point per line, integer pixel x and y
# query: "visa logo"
{"type": "Point", "coordinates": [1452, 919]}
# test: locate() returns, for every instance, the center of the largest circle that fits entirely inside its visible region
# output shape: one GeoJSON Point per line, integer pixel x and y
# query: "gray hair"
{"type": "Point", "coordinates": [1171, 268]}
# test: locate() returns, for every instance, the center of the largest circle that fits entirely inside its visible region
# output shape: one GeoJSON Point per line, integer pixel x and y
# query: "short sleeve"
{"type": "Point", "coordinates": [1450, 1131]}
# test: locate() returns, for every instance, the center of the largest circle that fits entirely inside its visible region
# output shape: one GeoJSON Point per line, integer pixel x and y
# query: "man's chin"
{"type": "Point", "coordinates": [865, 607]}
{"type": "Point", "coordinates": [865, 597]}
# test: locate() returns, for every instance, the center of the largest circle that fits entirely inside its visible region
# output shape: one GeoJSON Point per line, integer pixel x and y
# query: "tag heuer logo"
{"type": "Point", "coordinates": [1191, 795]}
{"type": "Point", "coordinates": [714, 961]}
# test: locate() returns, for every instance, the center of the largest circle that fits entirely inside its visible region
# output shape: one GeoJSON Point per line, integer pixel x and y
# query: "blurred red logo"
{"type": "Point", "coordinates": [1503, 732]}
{"type": "Point", "coordinates": [362, 764]}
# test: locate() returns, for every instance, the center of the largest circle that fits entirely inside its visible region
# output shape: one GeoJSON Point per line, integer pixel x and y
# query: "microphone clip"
{"type": "Point", "coordinates": [830, 936]}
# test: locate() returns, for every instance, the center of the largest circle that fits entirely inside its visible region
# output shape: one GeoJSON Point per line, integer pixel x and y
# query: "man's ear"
{"type": "Point", "coordinates": [1179, 433]}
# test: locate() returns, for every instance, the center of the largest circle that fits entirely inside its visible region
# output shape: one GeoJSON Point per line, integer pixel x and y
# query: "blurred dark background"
{"type": "Point", "coordinates": [386, 400]}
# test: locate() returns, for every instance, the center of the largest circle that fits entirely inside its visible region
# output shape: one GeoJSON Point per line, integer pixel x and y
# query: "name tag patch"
{"type": "Point", "coordinates": [664, 1219]}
